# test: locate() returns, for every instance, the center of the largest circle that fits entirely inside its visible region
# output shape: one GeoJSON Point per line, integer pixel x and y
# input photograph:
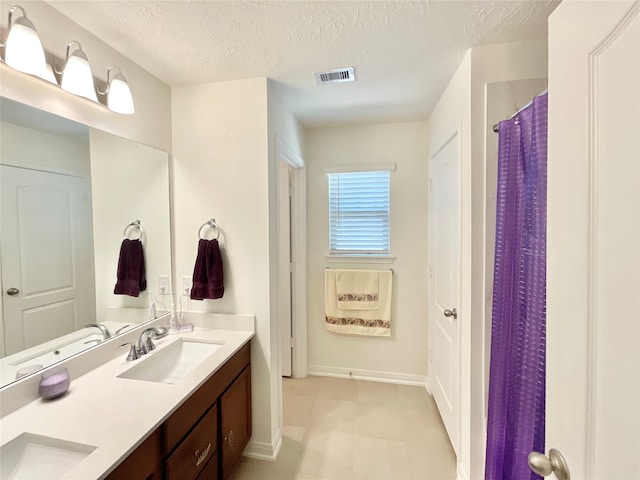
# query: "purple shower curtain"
{"type": "Point", "coordinates": [517, 373]}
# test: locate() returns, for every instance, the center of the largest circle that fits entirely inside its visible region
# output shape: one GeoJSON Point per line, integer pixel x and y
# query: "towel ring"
{"type": "Point", "coordinates": [211, 223]}
{"type": "Point", "coordinates": [135, 224]}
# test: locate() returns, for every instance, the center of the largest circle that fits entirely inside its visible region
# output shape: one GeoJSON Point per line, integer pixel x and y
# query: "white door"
{"type": "Point", "coordinates": [284, 297]}
{"type": "Point", "coordinates": [593, 309]}
{"type": "Point", "coordinates": [47, 256]}
{"type": "Point", "coordinates": [444, 261]}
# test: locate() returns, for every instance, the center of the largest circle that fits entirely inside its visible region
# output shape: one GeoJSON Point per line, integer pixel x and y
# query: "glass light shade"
{"type": "Point", "coordinates": [23, 50]}
{"type": "Point", "coordinates": [120, 99]}
{"type": "Point", "coordinates": [77, 77]}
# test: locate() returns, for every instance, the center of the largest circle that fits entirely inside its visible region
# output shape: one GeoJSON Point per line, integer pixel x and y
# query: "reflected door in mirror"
{"type": "Point", "coordinates": [46, 224]}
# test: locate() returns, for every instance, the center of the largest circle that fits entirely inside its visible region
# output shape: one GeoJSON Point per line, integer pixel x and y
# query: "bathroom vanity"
{"type": "Point", "coordinates": [183, 411]}
{"type": "Point", "coordinates": [204, 438]}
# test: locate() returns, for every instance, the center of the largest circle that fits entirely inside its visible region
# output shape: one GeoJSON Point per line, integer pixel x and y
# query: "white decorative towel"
{"type": "Point", "coordinates": [357, 289]}
{"type": "Point", "coordinates": [375, 322]}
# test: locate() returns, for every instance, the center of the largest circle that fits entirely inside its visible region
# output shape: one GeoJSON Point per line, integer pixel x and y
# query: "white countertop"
{"type": "Point", "coordinates": [116, 414]}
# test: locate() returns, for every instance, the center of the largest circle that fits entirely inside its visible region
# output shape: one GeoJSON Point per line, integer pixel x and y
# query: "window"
{"type": "Point", "coordinates": [359, 212]}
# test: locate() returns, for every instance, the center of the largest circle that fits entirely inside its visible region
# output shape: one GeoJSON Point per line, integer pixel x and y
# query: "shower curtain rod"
{"type": "Point", "coordinates": [497, 125]}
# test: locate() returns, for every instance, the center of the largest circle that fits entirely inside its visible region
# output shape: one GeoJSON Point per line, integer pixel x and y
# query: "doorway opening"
{"type": "Point", "coordinates": [292, 262]}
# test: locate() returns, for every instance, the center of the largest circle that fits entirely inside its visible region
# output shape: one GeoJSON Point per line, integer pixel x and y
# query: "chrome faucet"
{"type": "Point", "coordinates": [103, 328]}
{"type": "Point", "coordinates": [145, 342]}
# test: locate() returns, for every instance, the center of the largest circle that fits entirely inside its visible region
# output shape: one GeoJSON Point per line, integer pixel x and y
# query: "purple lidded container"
{"type": "Point", "coordinates": [54, 383]}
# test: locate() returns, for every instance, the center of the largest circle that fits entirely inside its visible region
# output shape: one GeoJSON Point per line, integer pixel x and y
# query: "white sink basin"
{"type": "Point", "coordinates": [29, 457]}
{"type": "Point", "coordinates": [172, 363]}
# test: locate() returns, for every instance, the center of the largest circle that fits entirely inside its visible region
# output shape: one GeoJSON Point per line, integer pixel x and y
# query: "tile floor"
{"type": "Point", "coordinates": [350, 429]}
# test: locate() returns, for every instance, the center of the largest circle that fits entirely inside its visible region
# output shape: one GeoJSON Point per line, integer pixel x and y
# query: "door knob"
{"type": "Point", "coordinates": [451, 313]}
{"type": "Point", "coordinates": [13, 291]}
{"type": "Point", "coordinates": [545, 466]}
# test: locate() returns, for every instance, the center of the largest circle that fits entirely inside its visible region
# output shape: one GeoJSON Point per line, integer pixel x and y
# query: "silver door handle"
{"type": "Point", "coordinates": [554, 463]}
{"type": "Point", "coordinates": [13, 291]}
{"type": "Point", "coordinates": [451, 313]}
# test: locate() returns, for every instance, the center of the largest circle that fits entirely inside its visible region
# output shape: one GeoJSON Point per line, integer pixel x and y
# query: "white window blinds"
{"type": "Point", "coordinates": [359, 212]}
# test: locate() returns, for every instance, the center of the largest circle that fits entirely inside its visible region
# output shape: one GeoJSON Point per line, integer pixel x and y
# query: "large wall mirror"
{"type": "Point", "coordinates": [71, 200]}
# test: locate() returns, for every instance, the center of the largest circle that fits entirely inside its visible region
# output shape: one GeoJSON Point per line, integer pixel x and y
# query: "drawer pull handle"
{"type": "Point", "coordinates": [200, 456]}
{"type": "Point", "coordinates": [231, 439]}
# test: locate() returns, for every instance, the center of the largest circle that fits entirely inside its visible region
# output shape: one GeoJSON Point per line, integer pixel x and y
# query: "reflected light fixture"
{"type": "Point", "coordinates": [76, 76]}
{"type": "Point", "coordinates": [119, 98]}
{"type": "Point", "coordinates": [23, 50]}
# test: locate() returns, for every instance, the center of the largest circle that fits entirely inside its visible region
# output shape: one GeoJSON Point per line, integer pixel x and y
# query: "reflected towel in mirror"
{"type": "Point", "coordinates": [131, 269]}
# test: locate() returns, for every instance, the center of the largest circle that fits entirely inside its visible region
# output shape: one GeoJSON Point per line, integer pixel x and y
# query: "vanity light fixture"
{"type": "Point", "coordinates": [119, 98]}
{"type": "Point", "coordinates": [76, 76]}
{"type": "Point", "coordinates": [23, 50]}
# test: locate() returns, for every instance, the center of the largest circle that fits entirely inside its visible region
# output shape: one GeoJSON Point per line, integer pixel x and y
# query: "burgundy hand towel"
{"type": "Point", "coordinates": [131, 277]}
{"type": "Point", "coordinates": [208, 280]}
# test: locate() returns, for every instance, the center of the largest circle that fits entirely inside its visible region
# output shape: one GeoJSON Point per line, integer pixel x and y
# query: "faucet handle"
{"type": "Point", "coordinates": [149, 344]}
{"type": "Point", "coordinates": [134, 354]}
{"type": "Point", "coordinates": [160, 332]}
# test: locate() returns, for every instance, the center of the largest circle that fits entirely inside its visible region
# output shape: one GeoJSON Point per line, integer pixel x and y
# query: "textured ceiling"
{"type": "Point", "coordinates": [404, 52]}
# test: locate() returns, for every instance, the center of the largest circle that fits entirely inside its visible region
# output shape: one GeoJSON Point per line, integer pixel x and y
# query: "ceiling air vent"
{"type": "Point", "coordinates": [334, 76]}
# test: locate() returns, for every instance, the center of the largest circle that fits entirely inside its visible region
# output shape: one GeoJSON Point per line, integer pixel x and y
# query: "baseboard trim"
{"type": "Point", "coordinates": [428, 386]}
{"type": "Point", "coordinates": [461, 474]}
{"type": "Point", "coordinates": [371, 375]}
{"type": "Point", "coordinates": [263, 450]}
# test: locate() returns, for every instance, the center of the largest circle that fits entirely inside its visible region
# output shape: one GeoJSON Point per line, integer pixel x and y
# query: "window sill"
{"type": "Point", "coordinates": [351, 258]}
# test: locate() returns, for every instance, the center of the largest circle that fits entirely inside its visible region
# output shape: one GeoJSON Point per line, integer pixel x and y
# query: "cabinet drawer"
{"type": "Point", "coordinates": [192, 455]}
{"type": "Point", "coordinates": [210, 472]}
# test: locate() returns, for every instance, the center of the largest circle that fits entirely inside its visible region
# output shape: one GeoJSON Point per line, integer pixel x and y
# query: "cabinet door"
{"type": "Point", "coordinates": [144, 463]}
{"type": "Point", "coordinates": [235, 408]}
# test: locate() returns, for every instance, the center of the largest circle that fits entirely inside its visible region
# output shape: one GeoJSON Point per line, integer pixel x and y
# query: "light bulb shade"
{"type": "Point", "coordinates": [77, 77]}
{"type": "Point", "coordinates": [23, 49]}
{"type": "Point", "coordinates": [119, 99]}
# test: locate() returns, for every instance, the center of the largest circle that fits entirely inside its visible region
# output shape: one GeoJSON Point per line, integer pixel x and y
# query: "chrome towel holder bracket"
{"type": "Point", "coordinates": [133, 225]}
{"type": "Point", "coordinates": [211, 223]}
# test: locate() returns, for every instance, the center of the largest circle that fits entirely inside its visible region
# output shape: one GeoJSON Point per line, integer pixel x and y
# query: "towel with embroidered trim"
{"type": "Point", "coordinates": [374, 322]}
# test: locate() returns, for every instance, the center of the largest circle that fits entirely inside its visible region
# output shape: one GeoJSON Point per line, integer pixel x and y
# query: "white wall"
{"type": "Point", "coordinates": [282, 124]}
{"type": "Point", "coordinates": [403, 356]}
{"type": "Point", "coordinates": [221, 170]}
{"type": "Point", "coordinates": [130, 182]}
{"type": "Point", "coordinates": [465, 103]}
{"type": "Point", "coordinates": [151, 124]}
{"type": "Point", "coordinates": [523, 63]}
{"type": "Point", "coordinates": [29, 148]}
{"type": "Point", "coordinates": [451, 116]}
{"type": "Point", "coordinates": [283, 130]}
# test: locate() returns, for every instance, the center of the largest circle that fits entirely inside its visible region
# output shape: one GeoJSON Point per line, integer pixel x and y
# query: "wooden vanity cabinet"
{"type": "Point", "coordinates": [235, 422]}
{"type": "Point", "coordinates": [193, 453]}
{"type": "Point", "coordinates": [145, 461]}
{"type": "Point", "coordinates": [204, 438]}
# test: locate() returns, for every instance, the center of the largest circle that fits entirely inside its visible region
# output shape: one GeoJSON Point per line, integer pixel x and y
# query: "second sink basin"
{"type": "Point", "coordinates": [172, 363]}
{"type": "Point", "coordinates": [30, 457]}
